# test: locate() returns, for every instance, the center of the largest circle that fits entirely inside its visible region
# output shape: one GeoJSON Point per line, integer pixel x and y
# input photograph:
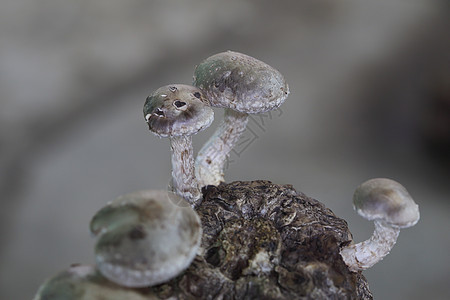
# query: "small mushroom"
{"type": "Point", "coordinates": [84, 282]}
{"type": "Point", "coordinates": [145, 239]}
{"type": "Point", "coordinates": [179, 111]}
{"type": "Point", "coordinates": [389, 205]}
{"type": "Point", "coordinates": [242, 85]}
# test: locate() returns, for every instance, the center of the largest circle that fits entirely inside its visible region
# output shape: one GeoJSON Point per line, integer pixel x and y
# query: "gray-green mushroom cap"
{"type": "Point", "coordinates": [154, 242]}
{"type": "Point", "coordinates": [177, 110]}
{"type": "Point", "coordinates": [84, 282]}
{"type": "Point", "coordinates": [388, 204]}
{"type": "Point", "coordinates": [387, 200]}
{"type": "Point", "coordinates": [240, 82]}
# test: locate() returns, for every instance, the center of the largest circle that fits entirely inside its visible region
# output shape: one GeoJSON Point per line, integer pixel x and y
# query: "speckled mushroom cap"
{"type": "Point", "coordinates": [387, 200]}
{"type": "Point", "coordinates": [240, 82]}
{"type": "Point", "coordinates": [144, 238]}
{"type": "Point", "coordinates": [176, 110]}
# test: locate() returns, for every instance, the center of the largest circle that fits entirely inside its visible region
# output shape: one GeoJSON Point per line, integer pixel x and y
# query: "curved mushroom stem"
{"type": "Point", "coordinates": [183, 178]}
{"type": "Point", "coordinates": [364, 255]}
{"type": "Point", "coordinates": [211, 158]}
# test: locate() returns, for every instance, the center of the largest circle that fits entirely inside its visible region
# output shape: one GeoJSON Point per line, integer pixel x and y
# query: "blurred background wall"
{"type": "Point", "coordinates": [370, 97]}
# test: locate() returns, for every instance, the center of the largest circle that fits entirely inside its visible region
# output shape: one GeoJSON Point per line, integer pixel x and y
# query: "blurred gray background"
{"type": "Point", "coordinates": [370, 97]}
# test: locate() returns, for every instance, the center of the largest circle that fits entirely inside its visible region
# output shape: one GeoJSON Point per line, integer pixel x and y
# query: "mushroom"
{"type": "Point", "coordinates": [179, 111]}
{"type": "Point", "coordinates": [389, 205]}
{"type": "Point", "coordinates": [84, 282]}
{"type": "Point", "coordinates": [242, 85]}
{"type": "Point", "coordinates": [144, 238]}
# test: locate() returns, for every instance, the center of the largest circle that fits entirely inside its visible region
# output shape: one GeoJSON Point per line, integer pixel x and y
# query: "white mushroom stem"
{"type": "Point", "coordinates": [183, 178]}
{"type": "Point", "coordinates": [364, 255]}
{"type": "Point", "coordinates": [211, 159]}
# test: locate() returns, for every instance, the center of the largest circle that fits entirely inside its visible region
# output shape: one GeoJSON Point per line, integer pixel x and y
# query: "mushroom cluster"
{"type": "Point", "coordinates": [240, 84]}
{"type": "Point", "coordinates": [150, 238]}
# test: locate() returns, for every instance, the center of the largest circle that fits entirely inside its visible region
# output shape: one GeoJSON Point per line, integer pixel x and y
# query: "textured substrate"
{"type": "Point", "coordinates": [267, 241]}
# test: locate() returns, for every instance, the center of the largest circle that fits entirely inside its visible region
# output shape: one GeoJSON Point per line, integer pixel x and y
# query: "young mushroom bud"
{"type": "Point", "coordinates": [145, 239]}
{"type": "Point", "coordinates": [83, 282]}
{"type": "Point", "coordinates": [179, 111]}
{"type": "Point", "coordinates": [389, 205]}
{"type": "Point", "coordinates": [242, 85]}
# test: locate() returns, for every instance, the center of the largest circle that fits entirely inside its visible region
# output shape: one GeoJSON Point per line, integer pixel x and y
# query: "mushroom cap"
{"type": "Point", "coordinates": [153, 242]}
{"type": "Point", "coordinates": [240, 82]}
{"type": "Point", "coordinates": [177, 110]}
{"type": "Point", "coordinates": [387, 200]}
{"type": "Point", "coordinates": [84, 282]}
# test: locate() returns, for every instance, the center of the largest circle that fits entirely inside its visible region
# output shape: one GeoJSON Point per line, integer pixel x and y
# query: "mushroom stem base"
{"type": "Point", "coordinates": [364, 255]}
{"type": "Point", "coordinates": [210, 162]}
